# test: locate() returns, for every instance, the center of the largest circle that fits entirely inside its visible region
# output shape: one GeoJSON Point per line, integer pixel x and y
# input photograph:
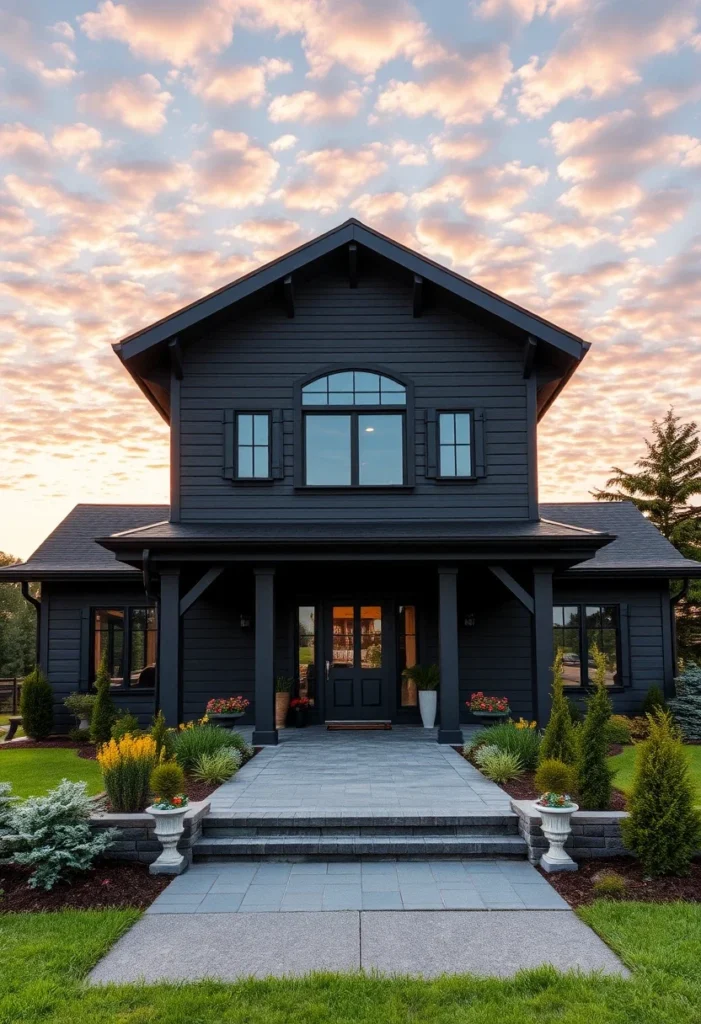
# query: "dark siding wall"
{"type": "Point", "coordinates": [649, 638]}
{"type": "Point", "coordinates": [254, 361]}
{"type": "Point", "coordinates": [69, 640]}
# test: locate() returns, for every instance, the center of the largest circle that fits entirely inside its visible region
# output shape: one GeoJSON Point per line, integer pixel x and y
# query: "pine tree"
{"type": "Point", "coordinates": [663, 828]}
{"type": "Point", "coordinates": [104, 712]}
{"type": "Point", "coordinates": [37, 705]}
{"type": "Point", "coordinates": [559, 740]}
{"type": "Point", "coordinates": [593, 769]}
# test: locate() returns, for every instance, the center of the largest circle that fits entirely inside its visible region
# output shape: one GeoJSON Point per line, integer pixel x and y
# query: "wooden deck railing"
{"type": "Point", "coordinates": [9, 695]}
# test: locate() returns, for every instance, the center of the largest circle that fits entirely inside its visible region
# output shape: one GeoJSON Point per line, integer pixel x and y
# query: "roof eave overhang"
{"type": "Point", "coordinates": [636, 572]}
{"type": "Point", "coordinates": [30, 574]}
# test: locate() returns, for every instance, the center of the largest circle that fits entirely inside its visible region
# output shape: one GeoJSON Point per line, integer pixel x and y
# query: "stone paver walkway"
{"type": "Point", "coordinates": [254, 886]}
{"type": "Point", "coordinates": [234, 946]}
{"type": "Point", "coordinates": [379, 773]}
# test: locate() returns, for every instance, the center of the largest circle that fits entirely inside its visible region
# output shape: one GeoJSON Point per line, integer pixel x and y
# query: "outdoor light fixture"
{"type": "Point", "coordinates": [469, 619]}
{"type": "Point", "coordinates": [245, 620]}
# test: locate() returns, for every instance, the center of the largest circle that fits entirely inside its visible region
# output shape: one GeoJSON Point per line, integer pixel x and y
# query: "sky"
{"type": "Point", "coordinates": [153, 150]}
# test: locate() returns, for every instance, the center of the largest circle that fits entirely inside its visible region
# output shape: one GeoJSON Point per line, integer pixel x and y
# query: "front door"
{"type": "Point", "coordinates": [358, 661]}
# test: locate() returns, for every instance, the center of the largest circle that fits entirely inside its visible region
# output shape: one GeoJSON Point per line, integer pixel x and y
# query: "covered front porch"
{"type": "Point", "coordinates": [343, 619]}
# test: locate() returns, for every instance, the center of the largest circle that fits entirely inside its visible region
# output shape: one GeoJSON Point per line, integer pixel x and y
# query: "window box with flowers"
{"type": "Point", "coordinates": [299, 706]}
{"type": "Point", "coordinates": [488, 707]}
{"type": "Point", "coordinates": [226, 711]}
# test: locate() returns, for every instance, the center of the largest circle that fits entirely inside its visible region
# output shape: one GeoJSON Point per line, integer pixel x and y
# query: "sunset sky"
{"type": "Point", "coordinates": [152, 150]}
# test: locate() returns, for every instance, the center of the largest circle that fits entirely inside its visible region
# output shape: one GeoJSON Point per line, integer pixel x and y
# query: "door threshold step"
{"type": "Point", "coordinates": [361, 726]}
{"type": "Point", "coordinates": [356, 847]}
{"type": "Point", "coordinates": [294, 820]}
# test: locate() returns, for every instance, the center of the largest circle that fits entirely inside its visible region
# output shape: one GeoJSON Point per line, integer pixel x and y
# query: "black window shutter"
{"type": "Point", "coordinates": [228, 470]}
{"type": "Point", "coordinates": [277, 461]}
{"type": "Point", "coordinates": [431, 444]}
{"type": "Point", "coordinates": [480, 453]}
{"type": "Point", "coordinates": [624, 630]}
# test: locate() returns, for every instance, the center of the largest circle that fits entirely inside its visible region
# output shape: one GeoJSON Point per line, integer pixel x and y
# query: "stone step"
{"type": "Point", "coordinates": [220, 824]}
{"type": "Point", "coordinates": [351, 847]}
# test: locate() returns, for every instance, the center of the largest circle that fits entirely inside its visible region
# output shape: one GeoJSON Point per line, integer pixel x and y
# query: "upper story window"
{"type": "Point", "coordinates": [455, 444]}
{"type": "Point", "coordinates": [344, 447]}
{"type": "Point", "coordinates": [253, 446]}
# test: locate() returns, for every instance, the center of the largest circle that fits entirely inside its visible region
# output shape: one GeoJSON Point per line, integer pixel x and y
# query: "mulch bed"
{"type": "Point", "coordinates": [199, 790]}
{"type": "Point", "coordinates": [86, 750]}
{"type": "Point", "coordinates": [524, 789]}
{"type": "Point", "coordinates": [577, 886]}
{"type": "Point", "coordinates": [112, 884]}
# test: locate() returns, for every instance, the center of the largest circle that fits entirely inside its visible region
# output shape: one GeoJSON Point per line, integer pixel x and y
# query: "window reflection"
{"type": "Point", "coordinates": [109, 641]}
{"type": "Point", "coordinates": [380, 449]}
{"type": "Point", "coordinates": [306, 651]}
{"type": "Point", "coordinates": [370, 636]}
{"type": "Point", "coordinates": [343, 635]}
{"type": "Point", "coordinates": [142, 642]}
{"type": "Point", "coordinates": [566, 636]}
{"type": "Point", "coordinates": [408, 654]}
{"type": "Point", "coordinates": [328, 450]}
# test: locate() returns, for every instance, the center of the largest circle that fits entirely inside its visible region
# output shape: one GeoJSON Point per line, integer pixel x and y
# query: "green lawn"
{"type": "Point", "coordinates": [35, 772]}
{"type": "Point", "coordinates": [624, 764]}
{"type": "Point", "coordinates": [43, 958]}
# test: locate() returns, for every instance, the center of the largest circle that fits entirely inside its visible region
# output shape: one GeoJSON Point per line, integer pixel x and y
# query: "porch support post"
{"type": "Point", "coordinates": [169, 644]}
{"type": "Point", "coordinates": [449, 730]}
{"type": "Point", "coordinates": [543, 641]}
{"type": "Point", "coordinates": [264, 732]}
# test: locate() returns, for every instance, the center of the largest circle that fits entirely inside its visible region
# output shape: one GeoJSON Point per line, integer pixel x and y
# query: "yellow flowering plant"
{"type": "Point", "coordinates": [525, 724]}
{"type": "Point", "coordinates": [126, 766]}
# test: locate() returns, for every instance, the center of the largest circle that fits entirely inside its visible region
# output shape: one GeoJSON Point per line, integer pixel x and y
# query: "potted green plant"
{"type": "Point", "coordinates": [80, 705]}
{"type": "Point", "coordinates": [488, 707]}
{"type": "Point", "coordinates": [300, 708]}
{"type": "Point", "coordinates": [283, 692]}
{"type": "Point", "coordinates": [426, 678]}
{"type": "Point", "coordinates": [226, 711]}
{"type": "Point", "coordinates": [556, 810]}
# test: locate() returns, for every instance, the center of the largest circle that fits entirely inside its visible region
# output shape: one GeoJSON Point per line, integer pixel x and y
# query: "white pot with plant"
{"type": "Point", "coordinates": [556, 810]}
{"type": "Point", "coordinates": [81, 706]}
{"type": "Point", "coordinates": [283, 692]}
{"type": "Point", "coordinates": [426, 679]}
{"type": "Point", "coordinates": [169, 809]}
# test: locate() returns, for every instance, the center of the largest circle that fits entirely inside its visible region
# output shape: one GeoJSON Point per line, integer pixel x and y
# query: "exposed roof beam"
{"type": "Point", "coordinates": [199, 588]}
{"type": "Point", "coordinates": [176, 358]}
{"type": "Point", "coordinates": [289, 294]}
{"type": "Point", "coordinates": [529, 352]}
{"type": "Point", "coordinates": [353, 265]}
{"type": "Point", "coordinates": [418, 295]}
{"type": "Point", "coordinates": [516, 589]}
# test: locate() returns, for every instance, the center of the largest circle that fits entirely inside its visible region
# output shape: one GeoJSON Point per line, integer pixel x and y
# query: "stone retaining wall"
{"type": "Point", "coordinates": [138, 841]}
{"type": "Point", "coordinates": [594, 833]}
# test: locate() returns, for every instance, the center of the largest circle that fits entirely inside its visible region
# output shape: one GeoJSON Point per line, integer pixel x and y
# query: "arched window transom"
{"type": "Point", "coordinates": [354, 387]}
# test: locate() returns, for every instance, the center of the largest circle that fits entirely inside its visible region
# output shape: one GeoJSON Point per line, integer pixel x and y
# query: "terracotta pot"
{"type": "Point", "coordinates": [282, 706]}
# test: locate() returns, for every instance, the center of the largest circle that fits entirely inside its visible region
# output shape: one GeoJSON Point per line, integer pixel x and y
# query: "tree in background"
{"type": "Point", "coordinates": [668, 477]}
{"type": "Point", "coordinates": [17, 628]}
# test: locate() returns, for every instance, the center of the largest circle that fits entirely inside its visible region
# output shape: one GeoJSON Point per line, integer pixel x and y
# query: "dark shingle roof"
{"type": "Point", "coordinates": [639, 546]}
{"type": "Point", "coordinates": [71, 550]}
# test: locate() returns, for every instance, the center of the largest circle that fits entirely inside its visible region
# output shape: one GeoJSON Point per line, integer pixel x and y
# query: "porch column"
{"type": "Point", "coordinates": [543, 641]}
{"type": "Point", "coordinates": [449, 730]}
{"type": "Point", "coordinates": [264, 732]}
{"type": "Point", "coordinates": [169, 648]}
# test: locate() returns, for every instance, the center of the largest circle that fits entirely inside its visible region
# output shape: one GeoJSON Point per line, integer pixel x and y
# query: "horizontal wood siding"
{"type": "Point", "coordinates": [253, 362]}
{"type": "Point", "coordinates": [647, 602]}
{"type": "Point", "coordinates": [68, 608]}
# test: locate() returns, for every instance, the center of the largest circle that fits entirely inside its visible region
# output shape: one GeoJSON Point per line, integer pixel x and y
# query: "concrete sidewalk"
{"type": "Point", "coordinates": [425, 943]}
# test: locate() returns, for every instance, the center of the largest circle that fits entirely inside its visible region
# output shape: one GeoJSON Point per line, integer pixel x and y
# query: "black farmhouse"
{"type": "Point", "coordinates": [354, 489]}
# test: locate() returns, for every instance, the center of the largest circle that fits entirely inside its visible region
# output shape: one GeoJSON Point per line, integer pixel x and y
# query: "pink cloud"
{"type": "Point", "coordinates": [327, 176]}
{"type": "Point", "coordinates": [490, 192]}
{"type": "Point", "coordinates": [233, 172]}
{"type": "Point", "coordinates": [307, 106]}
{"type": "Point", "coordinates": [373, 206]}
{"type": "Point", "coordinates": [70, 139]}
{"type": "Point", "coordinates": [20, 142]}
{"type": "Point", "coordinates": [136, 103]}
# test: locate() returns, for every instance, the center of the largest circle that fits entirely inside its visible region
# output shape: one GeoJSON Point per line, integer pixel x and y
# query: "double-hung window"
{"type": "Point", "coordinates": [354, 430]}
{"type": "Point", "coordinates": [577, 631]}
{"type": "Point", "coordinates": [253, 446]}
{"type": "Point", "coordinates": [455, 444]}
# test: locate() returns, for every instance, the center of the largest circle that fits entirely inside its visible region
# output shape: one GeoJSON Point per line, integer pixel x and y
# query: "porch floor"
{"type": "Point", "coordinates": [315, 773]}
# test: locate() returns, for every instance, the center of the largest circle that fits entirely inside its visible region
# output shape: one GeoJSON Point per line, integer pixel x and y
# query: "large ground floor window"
{"type": "Point", "coordinates": [577, 630]}
{"type": "Point", "coordinates": [128, 638]}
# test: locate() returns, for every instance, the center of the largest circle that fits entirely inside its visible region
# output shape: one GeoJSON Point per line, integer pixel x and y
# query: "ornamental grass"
{"type": "Point", "coordinates": [126, 769]}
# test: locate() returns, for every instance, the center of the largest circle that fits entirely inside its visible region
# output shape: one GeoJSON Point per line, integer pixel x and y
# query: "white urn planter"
{"type": "Point", "coordinates": [428, 702]}
{"type": "Point", "coordinates": [84, 724]}
{"type": "Point", "coordinates": [556, 826]}
{"type": "Point", "coordinates": [169, 828]}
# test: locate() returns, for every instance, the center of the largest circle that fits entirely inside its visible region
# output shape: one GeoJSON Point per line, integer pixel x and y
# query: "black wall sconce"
{"type": "Point", "coordinates": [245, 620]}
{"type": "Point", "coordinates": [469, 619]}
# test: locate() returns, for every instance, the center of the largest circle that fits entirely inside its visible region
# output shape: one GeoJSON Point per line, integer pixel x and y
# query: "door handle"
{"type": "Point", "coordinates": [328, 669]}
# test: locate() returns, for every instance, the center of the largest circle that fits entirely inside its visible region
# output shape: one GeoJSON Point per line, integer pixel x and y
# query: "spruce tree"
{"type": "Point", "coordinates": [593, 769]}
{"type": "Point", "coordinates": [663, 828]}
{"type": "Point", "coordinates": [559, 740]}
{"type": "Point", "coordinates": [37, 705]}
{"type": "Point", "coordinates": [104, 712]}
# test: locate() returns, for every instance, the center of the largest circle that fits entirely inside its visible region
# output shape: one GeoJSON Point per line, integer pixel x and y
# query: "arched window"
{"type": "Point", "coordinates": [352, 438]}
